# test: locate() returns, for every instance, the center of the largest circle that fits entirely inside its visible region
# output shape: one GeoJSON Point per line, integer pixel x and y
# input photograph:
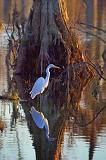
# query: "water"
{"type": "Point", "coordinates": [15, 141]}
{"type": "Point", "coordinates": [84, 138]}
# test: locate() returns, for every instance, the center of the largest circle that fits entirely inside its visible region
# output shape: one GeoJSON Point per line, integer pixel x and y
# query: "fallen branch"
{"type": "Point", "coordinates": [94, 67]}
{"type": "Point", "coordinates": [79, 64]}
{"type": "Point", "coordinates": [91, 26]}
{"type": "Point", "coordinates": [87, 32]}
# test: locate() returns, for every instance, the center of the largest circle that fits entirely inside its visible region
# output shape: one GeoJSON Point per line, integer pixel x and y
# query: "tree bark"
{"type": "Point", "coordinates": [48, 39]}
{"type": "Point", "coordinates": [45, 37]}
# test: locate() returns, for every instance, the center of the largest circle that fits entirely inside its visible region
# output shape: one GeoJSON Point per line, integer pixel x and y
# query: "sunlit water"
{"type": "Point", "coordinates": [78, 143]}
{"type": "Point", "coordinates": [77, 147]}
{"type": "Point", "coordinates": [15, 141]}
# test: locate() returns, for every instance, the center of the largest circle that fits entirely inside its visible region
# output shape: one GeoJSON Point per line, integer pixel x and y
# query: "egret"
{"type": "Point", "coordinates": [41, 83]}
{"type": "Point", "coordinates": [40, 120]}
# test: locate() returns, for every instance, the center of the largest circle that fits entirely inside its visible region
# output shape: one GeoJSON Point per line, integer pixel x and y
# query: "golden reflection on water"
{"type": "Point", "coordinates": [3, 71]}
{"type": "Point", "coordinates": [97, 18]}
{"type": "Point", "coordinates": [6, 8]}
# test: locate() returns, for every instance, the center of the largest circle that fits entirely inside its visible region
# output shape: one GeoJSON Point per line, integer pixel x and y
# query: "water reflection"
{"type": "Point", "coordinates": [12, 135]}
{"type": "Point", "coordinates": [98, 20]}
{"type": "Point", "coordinates": [6, 8]}
{"type": "Point", "coordinates": [40, 120]}
{"type": "Point", "coordinates": [2, 125]}
{"type": "Point", "coordinates": [83, 141]}
{"type": "Point", "coordinates": [81, 125]}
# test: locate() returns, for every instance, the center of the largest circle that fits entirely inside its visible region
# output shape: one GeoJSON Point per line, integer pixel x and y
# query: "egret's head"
{"type": "Point", "coordinates": [52, 66]}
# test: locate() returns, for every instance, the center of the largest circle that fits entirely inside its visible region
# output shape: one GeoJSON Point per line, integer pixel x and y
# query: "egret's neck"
{"type": "Point", "coordinates": [47, 77]}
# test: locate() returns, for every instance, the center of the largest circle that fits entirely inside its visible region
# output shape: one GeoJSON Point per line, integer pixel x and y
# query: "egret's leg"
{"type": "Point", "coordinates": [40, 102]}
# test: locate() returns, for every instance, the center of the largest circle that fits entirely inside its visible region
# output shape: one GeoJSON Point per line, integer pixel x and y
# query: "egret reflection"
{"type": "Point", "coordinates": [41, 122]}
{"type": "Point", "coordinates": [42, 83]}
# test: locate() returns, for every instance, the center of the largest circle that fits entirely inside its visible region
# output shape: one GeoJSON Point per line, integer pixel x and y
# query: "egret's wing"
{"type": "Point", "coordinates": [46, 126]}
{"type": "Point", "coordinates": [38, 118]}
{"type": "Point", "coordinates": [38, 87]}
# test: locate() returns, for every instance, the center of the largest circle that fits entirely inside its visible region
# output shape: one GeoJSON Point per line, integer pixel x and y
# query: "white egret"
{"type": "Point", "coordinates": [42, 83]}
{"type": "Point", "coordinates": [40, 120]}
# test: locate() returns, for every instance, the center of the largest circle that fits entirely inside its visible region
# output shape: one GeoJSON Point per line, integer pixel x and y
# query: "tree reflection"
{"type": "Point", "coordinates": [15, 113]}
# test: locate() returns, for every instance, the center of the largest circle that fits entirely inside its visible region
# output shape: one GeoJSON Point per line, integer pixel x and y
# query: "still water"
{"type": "Point", "coordinates": [84, 140]}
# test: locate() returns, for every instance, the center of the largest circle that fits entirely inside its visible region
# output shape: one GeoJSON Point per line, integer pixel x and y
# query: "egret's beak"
{"type": "Point", "coordinates": [57, 67]}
